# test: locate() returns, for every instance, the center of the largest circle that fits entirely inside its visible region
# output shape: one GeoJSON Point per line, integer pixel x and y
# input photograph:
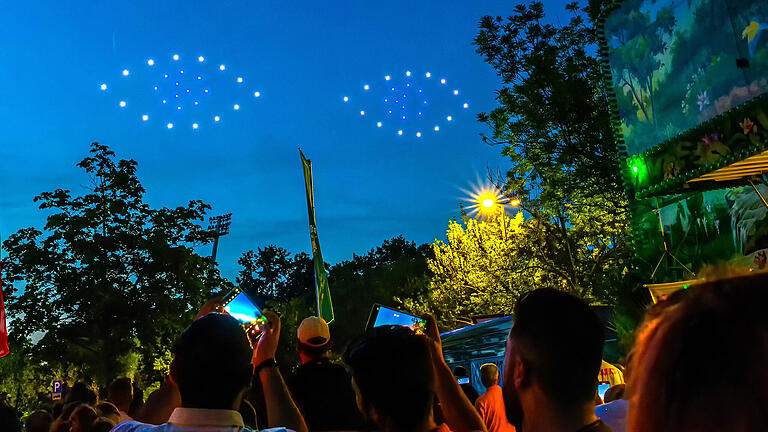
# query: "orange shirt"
{"type": "Point", "coordinates": [492, 410]}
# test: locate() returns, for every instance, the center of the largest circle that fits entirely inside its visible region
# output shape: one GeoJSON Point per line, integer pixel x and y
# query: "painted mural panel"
{"type": "Point", "coordinates": [725, 225]}
{"type": "Point", "coordinates": [678, 63]}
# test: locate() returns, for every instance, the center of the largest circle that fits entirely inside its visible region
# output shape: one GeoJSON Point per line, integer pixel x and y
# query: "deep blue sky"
{"type": "Point", "coordinates": [370, 184]}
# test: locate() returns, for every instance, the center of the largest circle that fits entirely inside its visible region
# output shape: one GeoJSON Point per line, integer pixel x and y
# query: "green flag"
{"type": "Point", "coordinates": [324, 305]}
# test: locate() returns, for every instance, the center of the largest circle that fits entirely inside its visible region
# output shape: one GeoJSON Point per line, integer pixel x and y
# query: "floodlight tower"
{"type": "Point", "coordinates": [220, 227]}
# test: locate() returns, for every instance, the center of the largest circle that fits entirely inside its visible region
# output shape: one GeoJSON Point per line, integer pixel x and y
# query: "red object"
{"type": "Point", "coordinates": [3, 328]}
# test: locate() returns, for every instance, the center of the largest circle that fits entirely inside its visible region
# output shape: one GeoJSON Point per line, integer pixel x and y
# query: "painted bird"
{"type": "Point", "coordinates": [752, 34]}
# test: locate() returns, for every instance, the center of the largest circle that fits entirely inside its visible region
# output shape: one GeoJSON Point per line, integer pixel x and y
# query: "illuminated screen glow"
{"type": "Point", "coordinates": [387, 316]}
{"type": "Point", "coordinates": [243, 310]}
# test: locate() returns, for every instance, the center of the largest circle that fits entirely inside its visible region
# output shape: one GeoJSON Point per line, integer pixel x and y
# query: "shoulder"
{"type": "Point", "coordinates": [277, 429]}
{"type": "Point", "coordinates": [134, 426]}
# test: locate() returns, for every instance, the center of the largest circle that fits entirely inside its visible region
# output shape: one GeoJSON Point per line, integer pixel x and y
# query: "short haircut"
{"type": "Point", "coordinates": [392, 367]}
{"type": "Point", "coordinates": [460, 372]}
{"type": "Point", "coordinates": [82, 393]}
{"type": "Point", "coordinates": [314, 351]}
{"type": "Point", "coordinates": [120, 391]}
{"type": "Point", "coordinates": [38, 421]}
{"type": "Point", "coordinates": [560, 340]}
{"type": "Point", "coordinates": [212, 362]}
{"type": "Point", "coordinates": [489, 374]}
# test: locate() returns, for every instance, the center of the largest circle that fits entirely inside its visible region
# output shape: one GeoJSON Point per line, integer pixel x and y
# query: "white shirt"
{"type": "Point", "coordinates": [195, 420]}
{"type": "Point", "coordinates": [614, 414]}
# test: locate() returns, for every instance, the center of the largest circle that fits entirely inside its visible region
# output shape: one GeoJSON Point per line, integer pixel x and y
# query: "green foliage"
{"type": "Point", "coordinates": [554, 124]}
{"type": "Point", "coordinates": [109, 278]}
{"type": "Point", "coordinates": [272, 274]}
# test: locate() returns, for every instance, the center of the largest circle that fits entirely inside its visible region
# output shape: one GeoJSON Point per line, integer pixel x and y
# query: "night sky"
{"type": "Point", "coordinates": [303, 57]}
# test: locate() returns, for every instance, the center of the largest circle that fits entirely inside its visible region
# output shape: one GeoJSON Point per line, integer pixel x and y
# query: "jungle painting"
{"type": "Point", "coordinates": [677, 63]}
{"type": "Point", "coordinates": [725, 225]}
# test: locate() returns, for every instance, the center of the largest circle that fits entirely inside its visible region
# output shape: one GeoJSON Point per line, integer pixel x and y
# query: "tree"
{"type": "Point", "coordinates": [482, 268]}
{"type": "Point", "coordinates": [109, 277]}
{"type": "Point", "coordinates": [272, 274]}
{"type": "Point", "coordinates": [554, 124]}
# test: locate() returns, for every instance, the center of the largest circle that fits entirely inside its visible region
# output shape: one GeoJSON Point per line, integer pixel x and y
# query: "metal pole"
{"type": "Point", "coordinates": [215, 247]}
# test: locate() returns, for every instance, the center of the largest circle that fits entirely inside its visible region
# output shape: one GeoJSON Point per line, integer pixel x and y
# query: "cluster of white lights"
{"type": "Point", "coordinates": [396, 107]}
{"type": "Point", "coordinates": [180, 89]}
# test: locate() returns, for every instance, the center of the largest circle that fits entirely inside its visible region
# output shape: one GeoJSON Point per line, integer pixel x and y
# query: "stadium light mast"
{"type": "Point", "coordinates": [220, 227]}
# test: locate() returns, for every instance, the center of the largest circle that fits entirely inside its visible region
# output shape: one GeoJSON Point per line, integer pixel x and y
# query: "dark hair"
{"type": "Point", "coordinates": [81, 393]}
{"type": "Point", "coordinates": [9, 419]}
{"type": "Point", "coordinates": [708, 354]}
{"type": "Point", "coordinates": [121, 392]}
{"type": "Point", "coordinates": [102, 424]}
{"type": "Point", "coordinates": [38, 421]}
{"type": "Point", "coordinates": [489, 374]}
{"type": "Point", "coordinates": [560, 340]}
{"type": "Point", "coordinates": [314, 351]}
{"type": "Point", "coordinates": [212, 362]}
{"type": "Point", "coordinates": [615, 392]}
{"type": "Point", "coordinates": [85, 415]}
{"type": "Point", "coordinates": [392, 368]}
{"type": "Point", "coordinates": [460, 372]}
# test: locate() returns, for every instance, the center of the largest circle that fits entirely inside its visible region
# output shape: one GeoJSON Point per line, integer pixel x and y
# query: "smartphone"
{"type": "Point", "coordinates": [244, 310]}
{"type": "Point", "coordinates": [601, 389]}
{"type": "Point", "coordinates": [464, 380]}
{"type": "Point", "coordinates": [382, 315]}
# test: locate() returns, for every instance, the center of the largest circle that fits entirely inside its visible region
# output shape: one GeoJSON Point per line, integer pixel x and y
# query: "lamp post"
{"type": "Point", "coordinates": [220, 227]}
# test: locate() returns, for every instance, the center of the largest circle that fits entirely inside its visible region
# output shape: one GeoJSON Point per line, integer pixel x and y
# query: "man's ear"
{"type": "Point", "coordinates": [521, 376]}
{"type": "Point", "coordinates": [174, 369]}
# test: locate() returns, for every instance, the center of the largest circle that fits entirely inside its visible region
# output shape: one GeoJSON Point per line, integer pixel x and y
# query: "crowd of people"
{"type": "Point", "coordinates": [698, 364]}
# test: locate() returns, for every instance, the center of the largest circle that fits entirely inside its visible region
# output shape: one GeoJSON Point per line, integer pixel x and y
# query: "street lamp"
{"type": "Point", "coordinates": [220, 227]}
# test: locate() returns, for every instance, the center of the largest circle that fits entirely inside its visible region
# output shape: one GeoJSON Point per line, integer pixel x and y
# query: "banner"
{"type": "Point", "coordinates": [3, 328]}
{"type": "Point", "coordinates": [324, 305]}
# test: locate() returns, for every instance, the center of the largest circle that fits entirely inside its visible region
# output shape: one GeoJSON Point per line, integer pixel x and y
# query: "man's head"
{"type": "Point", "coordinates": [120, 393]}
{"type": "Point", "coordinates": [212, 363]}
{"type": "Point", "coordinates": [489, 374]}
{"type": "Point", "coordinates": [314, 339]}
{"type": "Point", "coordinates": [393, 377]}
{"type": "Point", "coordinates": [38, 421]}
{"type": "Point", "coordinates": [82, 393]}
{"type": "Point", "coordinates": [554, 350]}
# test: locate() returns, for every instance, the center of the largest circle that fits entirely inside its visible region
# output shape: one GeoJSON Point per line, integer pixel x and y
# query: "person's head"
{"type": "Point", "coordinates": [614, 393]}
{"type": "Point", "coordinates": [212, 363]}
{"type": "Point", "coordinates": [460, 372]}
{"type": "Point", "coordinates": [102, 424]}
{"type": "Point", "coordinates": [9, 419]}
{"type": "Point", "coordinates": [108, 410]}
{"type": "Point", "coordinates": [393, 377]}
{"type": "Point", "coordinates": [489, 375]}
{"type": "Point", "coordinates": [700, 364]}
{"type": "Point", "coordinates": [81, 393]}
{"type": "Point", "coordinates": [120, 393]}
{"type": "Point", "coordinates": [38, 421]}
{"type": "Point", "coordinates": [82, 418]}
{"type": "Point", "coordinates": [553, 355]}
{"type": "Point", "coordinates": [314, 339]}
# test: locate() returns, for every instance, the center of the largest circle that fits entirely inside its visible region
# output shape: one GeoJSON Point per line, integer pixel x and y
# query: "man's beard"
{"type": "Point", "coordinates": [513, 406]}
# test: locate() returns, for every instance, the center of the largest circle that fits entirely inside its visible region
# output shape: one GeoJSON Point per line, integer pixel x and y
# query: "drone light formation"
{"type": "Point", "coordinates": [189, 85]}
{"type": "Point", "coordinates": [408, 103]}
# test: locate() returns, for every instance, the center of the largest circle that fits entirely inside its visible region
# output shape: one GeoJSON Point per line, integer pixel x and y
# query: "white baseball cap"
{"type": "Point", "coordinates": [314, 331]}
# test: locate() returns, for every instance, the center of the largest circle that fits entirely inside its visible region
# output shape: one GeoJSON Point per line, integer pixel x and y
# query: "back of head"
{"type": "Point", "coordinates": [81, 393]}
{"type": "Point", "coordinates": [108, 410]}
{"type": "Point", "coordinates": [120, 393]}
{"type": "Point", "coordinates": [102, 424]}
{"type": "Point", "coordinates": [489, 374]}
{"type": "Point", "coordinates": [314, 337]}
{"type": "Point", "coordinates": [700, 365]}
{"type": "Point", "coordinates": [460, 372]}
{"type": "Point", "coordinates": [392, 368]}
{"type": "Point", "coordinates": [212, 362]}
{"type": "Point", "coordinates": [39, 421]}
{"type": "Point", "coordinates": [615, 392]}
{"type": "Point", "coordinates": [83, 417]}
{"type": "Point", "coordinates": [560, 340]}
{"type": "Point", "coordinates": [9, 419]}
